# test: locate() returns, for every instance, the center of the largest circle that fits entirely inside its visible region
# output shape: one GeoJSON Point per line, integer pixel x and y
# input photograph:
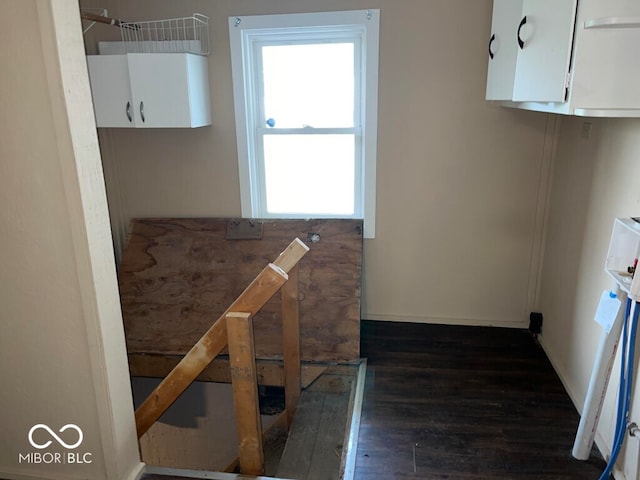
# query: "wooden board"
{"type": "Point", "coordinates": [178, 275]}
{"type": "Point", "coordinates": [316, 442]}
{"type": "Point", "coordinates": [245, 392]}
{"type": "Point", "coordinates": [270, 372]}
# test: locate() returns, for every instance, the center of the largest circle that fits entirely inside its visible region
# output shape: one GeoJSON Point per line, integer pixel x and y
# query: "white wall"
{"type": "Point", "coordinates": [595, 180]}
{"type": "Point", "coordinates": [62, 355]}
{"type": "Point", "coordinates": [461, 182]}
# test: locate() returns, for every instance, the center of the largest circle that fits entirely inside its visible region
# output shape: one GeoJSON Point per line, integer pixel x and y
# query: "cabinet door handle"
{"type": "Point", "coordinates": [491, 40]}
{"type": "Point", "coordinates": [128, 110]}
{"type": "Point", "coordinates": [142, 111]}
{"type": "Point", "coordinates": [522, 22]}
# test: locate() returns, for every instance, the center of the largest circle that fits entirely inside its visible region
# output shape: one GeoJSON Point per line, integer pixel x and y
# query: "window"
{"type": "Point", "coordinates": [305, 92]}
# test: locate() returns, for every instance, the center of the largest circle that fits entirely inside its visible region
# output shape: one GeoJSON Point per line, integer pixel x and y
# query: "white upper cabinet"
{"type": "Point", "coordinates": [150, 90]}
{"type": "Point", "coordinates": [530, 50]}
{"type": "Point", "coordinates": [570, 58]}
{"type": "Point", "coordinates": [111, 91]}
{"type": "Point", "coordinates": [545, 38]}
{"type": "Point", "coordinates": [503, 49]}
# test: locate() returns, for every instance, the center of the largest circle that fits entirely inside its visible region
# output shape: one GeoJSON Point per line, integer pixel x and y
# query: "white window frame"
{"type": "Point", "coordinates": [247, 33]}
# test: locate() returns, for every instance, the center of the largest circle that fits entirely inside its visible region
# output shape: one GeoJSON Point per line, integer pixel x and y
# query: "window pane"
{"type": "Point", "coordinates": [309, 85]}
{"type": "Point", "coordinates": [309, 174]}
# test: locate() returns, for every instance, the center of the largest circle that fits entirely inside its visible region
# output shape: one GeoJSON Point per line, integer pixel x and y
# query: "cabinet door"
{"type": "Point", "coordinates": [109, 77]}
{"type": "Point", "coordinates": [160, 89]}
{"type": "Point", "coordinates": [545, 36]}
{"type": "Point", "coordinates": [503, 49]}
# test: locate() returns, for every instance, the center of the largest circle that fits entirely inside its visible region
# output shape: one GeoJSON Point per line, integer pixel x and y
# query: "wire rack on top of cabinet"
{"type": "Point", "coordinates": [172, 35]}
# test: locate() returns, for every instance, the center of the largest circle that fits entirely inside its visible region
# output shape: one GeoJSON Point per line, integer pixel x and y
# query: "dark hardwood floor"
{"type": "Point", "coordinates": [447, 402]}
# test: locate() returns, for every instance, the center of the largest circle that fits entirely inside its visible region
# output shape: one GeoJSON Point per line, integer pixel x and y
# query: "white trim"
{"type": "Point", "coordinates": [577, 400]}
{"type": "Point", "coordinates": [83, 180]}
{"type": "Point", "coordinates": [543, 196]}
{"type": "Point", "coordinates": [310, 131]}
{"type": "Point", "coordinates": [370, 122]}
{"type": "Point", "coordinates": [248, 31]}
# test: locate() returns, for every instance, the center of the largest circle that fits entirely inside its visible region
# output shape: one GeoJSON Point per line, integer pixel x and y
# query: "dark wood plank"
{"type": "Point", "coordinates": [275, 440]}
{"type": "Point", "coordinates": [178, 275]}
{"type": "Point", "coordinates": [316, 441]}
{"type": "Point", "coordinates": [298, 451]}
{"type": "Point", "coordinates": [315, 446]}
{"type": "Point", "coordinates": [327, 457]}
{"type": "Point", "coordinates": [446, 402]}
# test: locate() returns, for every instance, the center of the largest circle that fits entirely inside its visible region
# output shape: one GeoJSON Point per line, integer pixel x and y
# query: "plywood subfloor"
{"type": "Point", "coordinates": [178, 275]}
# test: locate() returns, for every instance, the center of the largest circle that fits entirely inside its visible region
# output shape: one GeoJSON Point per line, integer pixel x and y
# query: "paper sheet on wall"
{"type": "Point", "coordinates": [607, 311]}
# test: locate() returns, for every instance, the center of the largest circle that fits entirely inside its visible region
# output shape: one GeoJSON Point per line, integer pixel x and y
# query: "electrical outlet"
{"type": "Point", "coordinates": [535, 322]}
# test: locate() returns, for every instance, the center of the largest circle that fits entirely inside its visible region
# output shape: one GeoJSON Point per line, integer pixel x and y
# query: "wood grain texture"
{"type": "Point", "coordinates": [291, 343]}
{"type": "Point", "coordinates": [178, 274]}
{"type": "Point", "coordinates": [464, 403]}
{"type": "Point", "coordinates": [270, 372]}
{"type": "Point", "coordinates": [205, 349]}
{"type": "Point", "coordinates": [245, 393]}
{"type": "Point", "coordinates": [316, 440]}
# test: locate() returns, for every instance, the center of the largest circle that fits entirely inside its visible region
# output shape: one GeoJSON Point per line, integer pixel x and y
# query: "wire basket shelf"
{"type": "Point", "coordinates": [172, 35]}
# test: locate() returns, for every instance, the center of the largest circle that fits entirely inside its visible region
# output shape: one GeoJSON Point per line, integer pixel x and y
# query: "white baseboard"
{"type": "Point", "coordinates": [578, 400]}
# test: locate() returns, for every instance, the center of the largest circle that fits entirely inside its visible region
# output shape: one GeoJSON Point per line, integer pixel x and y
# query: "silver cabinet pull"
{"type": "Point", "coordinates": [142, 111]}
{"type": "Point", "coordinates": [129, 111]}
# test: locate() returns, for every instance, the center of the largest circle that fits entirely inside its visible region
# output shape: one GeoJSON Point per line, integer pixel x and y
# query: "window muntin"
{"type": "Point", "coordinates": [281, 123]}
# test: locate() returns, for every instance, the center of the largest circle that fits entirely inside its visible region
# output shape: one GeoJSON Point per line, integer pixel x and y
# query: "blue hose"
{"type": "Point", "coordinates": [626, 382]}
{"type": "Point", "coordinates": [621, 414]}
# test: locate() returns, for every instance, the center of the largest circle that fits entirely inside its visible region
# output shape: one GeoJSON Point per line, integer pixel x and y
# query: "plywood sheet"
{"type": "Point", "coordinates": [178, 275]}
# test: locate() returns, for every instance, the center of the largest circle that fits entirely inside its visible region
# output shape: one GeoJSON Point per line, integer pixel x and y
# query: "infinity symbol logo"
{"type": "Point", "coordinates": [53, 434]}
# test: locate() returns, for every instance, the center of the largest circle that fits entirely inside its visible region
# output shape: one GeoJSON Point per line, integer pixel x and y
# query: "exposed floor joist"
{"type": "Point", "coordinates": [270, 372]}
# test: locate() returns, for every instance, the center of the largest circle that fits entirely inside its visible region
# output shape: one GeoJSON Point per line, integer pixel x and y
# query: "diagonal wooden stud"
{"type": "Point", "coordinates": [259, 291]}
{"type": "Point", "coordinates": [264, 286]}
